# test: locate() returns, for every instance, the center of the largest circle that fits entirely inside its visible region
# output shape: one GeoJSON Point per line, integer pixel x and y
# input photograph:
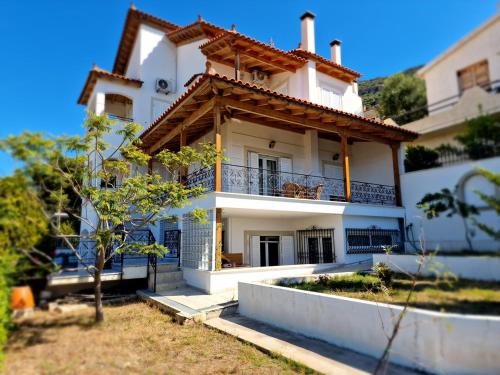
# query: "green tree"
{"type": "Point", "coordinates": [403, 98]}
{"type": "Point", "coordinates": [22, 225]}
{"type": "Point", "coordinates": [447, 202]}
{"type": "Point", "coordinates": [139, 197]}
{"type": "Point", "coordinates": [492, 202]}
{"type": "Point", "coordinates": [481, 137]}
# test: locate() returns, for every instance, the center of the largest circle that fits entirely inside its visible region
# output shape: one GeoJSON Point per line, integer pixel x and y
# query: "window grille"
{"type": "Point", "coordinates": [364, 241]}
{"type": "Point", "coordinates": [315, 246]}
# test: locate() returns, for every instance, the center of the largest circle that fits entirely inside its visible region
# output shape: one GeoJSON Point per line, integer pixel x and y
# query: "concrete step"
{"type": "Point", "coordinates": [167, 267]}
{"type": "Point", "coordinates": [167, 277]}
{"type": "Point", "coordinates": [201, 307]}
{"type": "Point", "coordinates": [161, 287]}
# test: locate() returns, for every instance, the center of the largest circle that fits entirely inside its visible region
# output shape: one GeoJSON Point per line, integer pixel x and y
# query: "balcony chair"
{"type": "Point", "coordinates": [294, 190]}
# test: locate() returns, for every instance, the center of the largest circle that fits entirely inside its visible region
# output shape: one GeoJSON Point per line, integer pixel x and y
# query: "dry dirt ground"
{"type": "Point", "coordinates": [134, 339]}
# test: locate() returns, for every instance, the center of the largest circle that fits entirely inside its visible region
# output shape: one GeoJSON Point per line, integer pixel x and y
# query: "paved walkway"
{"type": "Point", "coordinates": [192, 304]}
{"type": "Point", "coordinates": [318, 355]}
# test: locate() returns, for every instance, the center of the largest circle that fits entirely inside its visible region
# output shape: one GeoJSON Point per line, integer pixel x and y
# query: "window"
{"type": "Point", "coordinates": [360, 241]}
{"type": "Point", "coordinates": [474, 75]}
{"type": "Point", "coordinates": [329, 97]}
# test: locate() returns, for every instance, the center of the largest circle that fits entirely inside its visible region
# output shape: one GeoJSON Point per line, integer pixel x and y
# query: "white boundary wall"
{"type": "Point", "coordinates": [447, 233]}
{"type": "Point", "coordinates": [465, 267]}
{"type": "Point", "coordinates": [431, 341]}
{"type": "Point", "coordinates": [227, 279]}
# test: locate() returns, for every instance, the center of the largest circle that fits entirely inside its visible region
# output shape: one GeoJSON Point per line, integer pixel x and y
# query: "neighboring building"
{"type": "Point", "coordinates": [309, 180]}
{"type": "Point", "coordinates": [460, 82]}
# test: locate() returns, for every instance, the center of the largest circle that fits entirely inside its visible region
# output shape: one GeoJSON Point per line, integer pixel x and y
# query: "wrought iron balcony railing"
{"type": "Point", "coordinates": [258, 181]}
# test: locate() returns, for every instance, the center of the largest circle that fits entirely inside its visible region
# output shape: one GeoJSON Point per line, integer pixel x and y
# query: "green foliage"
{"type": "Point", "coordinates": [420, 157]}
{"type": "Point", "coordinates": [481, 138]}
{"type": "Point", "coordinates": [491, 201]}
{"type": "Point", "coordinates": [22, 225]}
{"type": "Point", "coordinates": [371, 89]}
{"type": "Point", "coordinates": [90, 168]}
{"type": "Point", "coordinates": [403, 98]}
{"type": "Point", "coordinates": [447, 202]}
{"type": "Point", "coordinates": [384, 273]}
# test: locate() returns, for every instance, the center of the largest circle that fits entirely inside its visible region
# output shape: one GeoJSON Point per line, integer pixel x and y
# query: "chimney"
{"type": "Point", "coordinates": [335, 49]}
{"type": "Point", "coordinates": [307, 31]}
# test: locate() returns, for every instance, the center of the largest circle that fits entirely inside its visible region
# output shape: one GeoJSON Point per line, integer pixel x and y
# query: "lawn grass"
{"type": "Point", "coordinates": [134, 339]}
{"type": "Point", "coordinates": [447, 295]}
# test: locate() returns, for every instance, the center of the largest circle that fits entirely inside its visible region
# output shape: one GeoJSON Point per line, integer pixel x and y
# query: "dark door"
{"type": "Point", "coordinates": [313, 247]}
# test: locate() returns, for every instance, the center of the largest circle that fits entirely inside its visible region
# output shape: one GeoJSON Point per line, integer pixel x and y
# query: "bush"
{"type": "Point", "coordinates": [481, 137]}
{"type": "Point", "coordinates": [420, 157]}
{"type": "Point", "coordinates": [384, 273]}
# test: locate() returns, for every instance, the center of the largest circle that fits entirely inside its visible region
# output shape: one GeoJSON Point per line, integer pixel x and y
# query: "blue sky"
{"type": "Point", "coordinates": [48, 47]}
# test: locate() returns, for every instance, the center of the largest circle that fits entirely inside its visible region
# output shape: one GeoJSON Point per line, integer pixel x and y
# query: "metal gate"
{"type": "Point", "coordinates": [315, 246]}
{"type": "Point", "coordinates": [172, 241]}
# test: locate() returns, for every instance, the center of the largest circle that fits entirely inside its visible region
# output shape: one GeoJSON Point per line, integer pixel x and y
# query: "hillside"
{"type": "Point", "coordinates": [370, 89]}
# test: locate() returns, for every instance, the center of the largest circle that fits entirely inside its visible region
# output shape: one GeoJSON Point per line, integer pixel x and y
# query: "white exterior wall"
{"type": "Point", "coordinates": [441, 75]}
{"type": "Point", "coordinates": [435, 342]}
{"type": "Point", "coordinates": [445, 233]}
{"type": "Point", "coordinates": [369, 162]}
{"type": "Point", "coordinates": [190, 61]}
{"type": "Point", "coordinates": [464, 267]}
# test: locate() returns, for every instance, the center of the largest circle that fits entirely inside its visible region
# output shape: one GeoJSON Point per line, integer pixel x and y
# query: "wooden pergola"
{"type": "Point", "coordinates": [213, 98]}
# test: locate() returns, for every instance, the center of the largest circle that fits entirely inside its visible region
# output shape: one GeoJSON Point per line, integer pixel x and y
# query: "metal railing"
{"type": "Point", "coordinates": [372, 240]}
{"type": "Point", "coordinates": [258, 181]}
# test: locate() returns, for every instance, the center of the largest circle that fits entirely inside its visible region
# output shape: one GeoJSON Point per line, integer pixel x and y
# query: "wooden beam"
{"type": "Point", "coordinates": [345, 166]}
{"type": "Point", "coordinates": [218, 239]}
{"type": "Point", "coordinates": [395, 171]}
{"type": "Point", "coordinates": [183, 171]}
{"type": "Point", "coordinates": [218, 148]}
{"type": "Point", "coordinates": [207, 106]}
{"type": "Point", "coordinates": [308, 123]}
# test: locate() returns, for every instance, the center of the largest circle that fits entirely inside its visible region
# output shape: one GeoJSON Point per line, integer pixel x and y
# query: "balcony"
{"type": "Point", "coordinates": [258, 181]}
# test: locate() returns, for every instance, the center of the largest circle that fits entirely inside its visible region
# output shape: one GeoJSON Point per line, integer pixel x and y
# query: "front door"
{"type": "Point", "coordinates": [269, 251]}
{"type": "Point", "coordinates": [268, 175]}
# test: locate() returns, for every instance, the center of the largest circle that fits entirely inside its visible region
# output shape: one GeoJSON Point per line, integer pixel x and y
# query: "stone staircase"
{"type": "Point", "coordinates": [168, 277]}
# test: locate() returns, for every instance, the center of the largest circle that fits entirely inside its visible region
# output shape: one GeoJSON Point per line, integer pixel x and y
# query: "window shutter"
{"type": "Point", "coordinates": [255, 251]}
{"type": "Point", "coordinates": [253, 173]}
{"type": "Point", "coordinates": [287, 250]}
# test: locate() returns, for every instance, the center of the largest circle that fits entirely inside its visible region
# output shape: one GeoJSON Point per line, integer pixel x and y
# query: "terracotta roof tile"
{"type": "Point", "coordinates": [129, 33]}
{"type": "Point", "coordinates": [203, 78]}
{"type": "Point", "coordinates": [98, 73]}
{"type": "Point", "coordinates": [321, 59]}
{"type": "Point", "coordinates": [229, 33]}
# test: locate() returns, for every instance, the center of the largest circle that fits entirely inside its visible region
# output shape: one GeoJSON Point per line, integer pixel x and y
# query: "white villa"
{"type": "Point", "coordinates": [309, 181]}
{"type": "Point", "coordinates": [462, 81]}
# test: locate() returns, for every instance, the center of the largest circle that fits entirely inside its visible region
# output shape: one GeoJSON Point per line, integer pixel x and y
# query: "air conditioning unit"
{"type": "Point", "coordinates": [165, 86]}
{"type": "Point", "coordinates": [258, 77]}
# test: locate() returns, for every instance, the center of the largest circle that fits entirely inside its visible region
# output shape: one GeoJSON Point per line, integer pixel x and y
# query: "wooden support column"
{"type": "Point", "coordinates": [237, 74]}
{"type": "Point", "coordinates": [218, 239]}
{"type": "Point", "coordinates": [183, 143]}
{"type": "Point", "coordinates": [345, 165]}
{"type": "Point", "coordinates": [218, 148]}
{"type": "Point", "coordinates": [395, 169]}
{"type": "Point", "coordinates": [150, 165]}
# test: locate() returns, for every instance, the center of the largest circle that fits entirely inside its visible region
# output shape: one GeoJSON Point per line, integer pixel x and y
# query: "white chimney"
{"type": "Point", "coordinates": [307, 31]}
{"type": "Point", "coordinates": [335, 49]}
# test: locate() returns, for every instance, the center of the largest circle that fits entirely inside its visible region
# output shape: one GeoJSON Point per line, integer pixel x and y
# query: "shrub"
{"type": "Point", "coordinates": [420, 157]}
{"type": "Point", "coordinates": [384, 273]}
{"type": "Point", "coordinates": [481, 138]}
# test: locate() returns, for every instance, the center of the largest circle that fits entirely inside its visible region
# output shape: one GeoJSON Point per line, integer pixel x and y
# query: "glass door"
{"type": "Point", "coordinates": [268, 175]}
{"type": "Point", "coordinates": [269, 251]}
